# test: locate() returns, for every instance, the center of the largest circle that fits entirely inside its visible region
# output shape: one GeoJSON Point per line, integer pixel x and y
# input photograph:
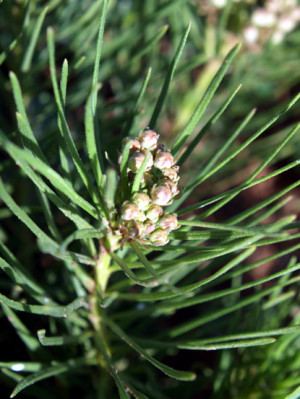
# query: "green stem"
{"type": "Point", "coordinates": [101, 278]}
{"type": "Point", "coordinates": [102, 270]}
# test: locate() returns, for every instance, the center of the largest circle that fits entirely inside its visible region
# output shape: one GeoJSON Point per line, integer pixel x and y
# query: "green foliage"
{"type": "Point", "coordinates": [110, 318]}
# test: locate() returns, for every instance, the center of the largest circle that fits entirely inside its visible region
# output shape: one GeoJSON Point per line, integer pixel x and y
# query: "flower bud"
{"type": "Point", "coordinates": [135, 144]}
{"type": "Point", "coordinates": [263, 18]}
{"type": "Point", "coordinates": [141, 216]}
{"type": "Point", "coordinates": [154, 212]}
{"type": "Point", "coordinates": [251, 34]}
{"type": "Point", "coordinates": [173, 187]}
{"type": "Point", "coordinates": [129, 211]}
{"type": "Point", "coordinates": [135, 229]}
{"type": "Point", "coordinates": [136, 160]}
{"type": "Point", "coordinates": [163, 160]}
{"type": "Point", "coordinates": [142, 201]}
{"type": "Point", "coordinates": [159, 237]}
{"type": "Point", "coordinates": [286, 24]}
{"type": "Point", "coordinates": [148, 139]}
{"type": "Point", "coordinates": [149, 228]}
{"type": "Point", "coordinates": [172, 173]}
{"type": "Point", "coordinates": [168, 222]}
{"type": "Point", "coordinates": [147, 179]}
{"type": "Point", "coordinates": [161, 195]}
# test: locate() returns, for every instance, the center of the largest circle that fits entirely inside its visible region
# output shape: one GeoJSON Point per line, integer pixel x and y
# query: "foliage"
{"type": "Point", "coordinates": [171, 321]}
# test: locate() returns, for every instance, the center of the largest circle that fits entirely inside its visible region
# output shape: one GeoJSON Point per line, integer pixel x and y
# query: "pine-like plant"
{"type": "Point", "coordinates": [136, 277]}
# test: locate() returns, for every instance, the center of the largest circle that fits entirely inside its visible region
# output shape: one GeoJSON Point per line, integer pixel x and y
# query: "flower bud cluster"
{"type": "Point", "coordinates": [142, 216]}
{"type": "Point", "coordinates": [273, 21]}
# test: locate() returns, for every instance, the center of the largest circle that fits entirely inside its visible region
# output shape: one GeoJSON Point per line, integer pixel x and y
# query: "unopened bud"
{"type": "Point", "coordinates": [142, 201]}
{"type": "Point", "coordinates": [286, 24]}
{"type": "Point", "coordinates": [149, 228]}
{"type": "Point", "coordinates": [129, 211]}
{"type": "Point", "coordinates": [173, 187]}
{"type": "Point", "coordinates": [159, 237]}
{"type": "Point", "coordinates": [148, 139]}
{"type": "Point", "coordinates": [163, 160]}
{"type": "Point", "coordinates": [136, 160]}
{"type": "Point", "coordinates": [161, 195]}
{"type": "Point", "coordinates": [168, 222]}
{"type": "Point", "coordinates": [135, 144]}
{"type": "Point", "coordinates": [154, 212]}
{"type": "Point", "coordinates": [263, 18]}
{"type": "Point", "coordinates": [135, 229]}
{"type": "Point", "coordinates": [147, 179]}
{"type": "Point", "coordinates": [141, 216]}
{"type": "Point", "coordinates": [251, 34]}
{"type": "Point", "coordinates": [172, 173]}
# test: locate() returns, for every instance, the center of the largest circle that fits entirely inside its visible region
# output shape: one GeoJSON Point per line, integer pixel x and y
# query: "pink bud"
{"type": "Point", "coordinates": [141, 216]}
{"type": "Point", "coordinates": [147, 179]}
{"type": "Point", "coordinates": [263, 18]}
{"type": "Point", "coordinates": [173, 187]}
{"type": "Point", "coordinates": [148, 139]}
{"type": "Point", "coordinates": [136, 160]}
{"type": "Point", "coordinates": [159, 237]}
{"type": "Point", "coordinates": [154, 212]}
{"type": "Point", "coordinates": [135, 229]}
{"type": "Point", "coordinates": [163, 160]}
{"type": "Point", "coordinates": [129, 211]}
{"type": "Point", "coordinates": [168, 222]}
{"type": "Point", "coordinates": [135, 144]}
{"type": "Point", "coordinates": [142, 201]}
{"type": "Point", "coordinates": [149, 228]}
{"type": "Point", "coordinates": [161, 195]}
{"type": "Point", "coordinates": [172, 173]}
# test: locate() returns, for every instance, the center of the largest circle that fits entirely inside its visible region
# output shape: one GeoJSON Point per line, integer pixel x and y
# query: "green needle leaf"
{"type": "Point", "coordinates": [66, 132]}
{"type": "Point", "coordinates": [123, 169]}
{"type": "Point", "coordinates": [98, 56]}
{"type": "Point", "coordinates": [63, 186]}
{"type": "Point", "coordinates": [231, 345]}
{"type": "Point", "coordinates": [28, 138]}
{"type": "Point", "coordinates": [46, 310]}
{"type": "Point", "coordinates": [49, 372]}
{"type": "Point", "coordinates": [168, 79]}
{"type": "Point", "coordinates": [177, 374]}
{"type": "Point", "coordinates": [192, 123]}
{"type": "Point", "coordinates": [295, 394]}
{"type": "Point", "coordinates": [138, 177]}
{"type": "Point", "coordinates": [26, 64]}
{"type": "Point", "coordinates": [62, 340]}
{"type": "Point", "coordinates": [91, 142]}
{"type": "Point", "coordinates": [206, 128]}
{"type": "Point", "coordinates": [135, 110]}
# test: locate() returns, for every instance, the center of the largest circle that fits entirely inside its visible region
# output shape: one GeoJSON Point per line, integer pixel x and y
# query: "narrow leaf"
{"type": "Point", "coordinates": [46, 310]}
{"type": "Point", "coordinates": [138, 177]}
{"type": "Point", "coordinates": [98, 55]}
{"type": "Point", "coordinates": [231, 345]}
{"type": "Point", "coordinates": [62, 340]}
{"type": "Point", "coordinates": [25, 335]}
{"type": "Point", "coordinates": [123, 169]}
{"type": "Point", "coordinates": [192, 123]}
{"type": "Point", "coordinates": [238, 189]}
{"type": "Point", "coordinates": [47, 373]}
{"type": "Point", "coordinates": [177, 374]}
{"type": "Point", "coordinates": [206, 127]}
{"type": "Point", "coordinates": [58, 182]}
{"type": "Point", "coordinates": [168, 79]}
{"type": "Point", "coordinates": [26, 64]}
{"type": "Point", "coordinates": [91, 142]}
{"type": "Point", "coordinates": [137, 104]}
{"type": "Point", "coordinates": [66, 132]}
{"type": "Point", "coordinates": [29, 139]}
